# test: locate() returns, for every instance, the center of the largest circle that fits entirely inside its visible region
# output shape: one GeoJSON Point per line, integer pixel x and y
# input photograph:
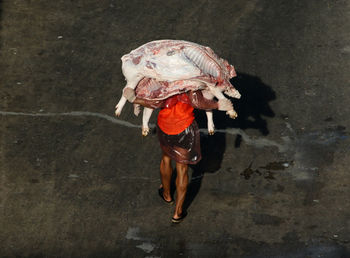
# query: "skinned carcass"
{"type": "Point", "coordinates": [163, 68]}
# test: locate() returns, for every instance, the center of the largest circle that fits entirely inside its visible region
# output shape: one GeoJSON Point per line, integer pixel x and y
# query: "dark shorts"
{"type": "Point", "coordinates": [183, 147]}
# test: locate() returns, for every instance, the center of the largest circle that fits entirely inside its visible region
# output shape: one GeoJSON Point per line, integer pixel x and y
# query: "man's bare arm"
{"type": "Point", "coordinates": [198, 101]}
{"type": "Point", "coordinates": [129, 94]}
{"type": "Point", "coordinates": [149, 103]}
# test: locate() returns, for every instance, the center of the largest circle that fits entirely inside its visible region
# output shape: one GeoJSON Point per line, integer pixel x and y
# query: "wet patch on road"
{"type": "Point", "coordinates": [133, 233]}
{"type": "Point", "coordinates": [248, 172]}
{"type": "Point", "coordinates": [277, 165]}
{"type": "Point", "coordinates": [266, 170]}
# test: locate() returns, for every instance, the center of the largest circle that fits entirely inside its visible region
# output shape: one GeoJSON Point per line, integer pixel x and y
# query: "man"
{"type": "Point", "coordinates": [178, 136]}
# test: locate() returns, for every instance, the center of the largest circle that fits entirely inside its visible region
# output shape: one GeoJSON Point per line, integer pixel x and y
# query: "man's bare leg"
{"type": "Point", "coordinates": [165, 176]}
{"type": "Point", "coordinates": [181, 188]}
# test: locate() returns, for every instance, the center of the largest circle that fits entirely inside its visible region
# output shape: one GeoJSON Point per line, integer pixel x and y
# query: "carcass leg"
{"type": "Point", "coordinates": [122, 101]}
{"type": "Point", "coordinates": [211, 126]}
{"type": "Point", "coordinates": [147, 112]}
{"type": "Point", "coordinates": [219, 95]}
{"type": "Point", "coordinates": [120, 105]}
{"type": "Point", "coordinates": [137, 109]}
{"type": "Point", "coordinates": [233, 93]}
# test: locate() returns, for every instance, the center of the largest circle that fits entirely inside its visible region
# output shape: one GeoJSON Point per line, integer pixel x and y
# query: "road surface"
{"type": "Point", "coordinates": [78, 182]}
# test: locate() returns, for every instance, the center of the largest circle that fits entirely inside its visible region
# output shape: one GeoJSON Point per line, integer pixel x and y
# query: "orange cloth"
{"type": "Point", "coordinates": [177, 115]}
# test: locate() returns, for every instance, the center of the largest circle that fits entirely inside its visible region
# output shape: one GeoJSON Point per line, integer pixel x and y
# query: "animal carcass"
{"type": "Point", "coordinates": [163, 68]}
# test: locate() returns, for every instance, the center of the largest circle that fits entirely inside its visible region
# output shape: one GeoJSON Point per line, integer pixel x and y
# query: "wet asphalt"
{"type": "Point", "coordinates": [75, 181]}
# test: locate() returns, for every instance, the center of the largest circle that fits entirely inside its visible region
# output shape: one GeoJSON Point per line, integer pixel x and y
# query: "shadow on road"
{"type": "Point", "coordinates": [251, 108]}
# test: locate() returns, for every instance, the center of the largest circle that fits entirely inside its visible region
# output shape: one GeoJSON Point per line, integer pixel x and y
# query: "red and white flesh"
{"type": "Point", "coordinates": [163, 68]}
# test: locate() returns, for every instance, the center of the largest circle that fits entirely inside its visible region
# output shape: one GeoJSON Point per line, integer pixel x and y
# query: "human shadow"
{"type": "Point", "coordinates": [251, 108]}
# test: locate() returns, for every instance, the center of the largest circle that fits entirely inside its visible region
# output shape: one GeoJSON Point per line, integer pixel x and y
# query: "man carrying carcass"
{"type": "Point", "coordinates": [178, 136]}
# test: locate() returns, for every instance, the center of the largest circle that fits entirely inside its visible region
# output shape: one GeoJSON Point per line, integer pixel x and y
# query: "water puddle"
{"type": "Point", "coordinates": [281, 165]}
{"type": "Point", "coordinates": [266, 170]}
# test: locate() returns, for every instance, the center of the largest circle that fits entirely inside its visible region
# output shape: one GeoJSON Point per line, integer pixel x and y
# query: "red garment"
{"type": "Point", "coordinates": [177, 114]}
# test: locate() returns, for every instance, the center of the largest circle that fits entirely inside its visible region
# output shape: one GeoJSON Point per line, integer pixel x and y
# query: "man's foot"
{"type": "Point", "coordinates": [178, 219]}
{"type": "Point", "coordinates": [161, 194]}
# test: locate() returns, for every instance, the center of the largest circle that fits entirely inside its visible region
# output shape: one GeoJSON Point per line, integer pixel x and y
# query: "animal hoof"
{"type": "Point", "coordinates": [232, 114]}
{"type": "Point", "coordinates": [211, 132]}
{"type": "Point", "coordinates": [145, 131]}
{"type": "Point", "coordinates": [233, 93]}
{"type": "Point", "coordinates": [236, 94]}
{"type": "Point", "coordinates": [137, 109]}
{"type": "Point", "coordinates": [117, 110]}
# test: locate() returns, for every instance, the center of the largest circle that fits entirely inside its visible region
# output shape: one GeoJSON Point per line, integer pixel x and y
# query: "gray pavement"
{"type": "Point", "coordinates": [77, 182]}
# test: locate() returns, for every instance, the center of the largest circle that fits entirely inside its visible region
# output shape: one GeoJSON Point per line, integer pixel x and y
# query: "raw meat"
{"type": "Point", "coordinates": [160, 69]}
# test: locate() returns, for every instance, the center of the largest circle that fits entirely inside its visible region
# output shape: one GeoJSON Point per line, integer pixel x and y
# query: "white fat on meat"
{"type": "Point", "coordinates": [162, 68]}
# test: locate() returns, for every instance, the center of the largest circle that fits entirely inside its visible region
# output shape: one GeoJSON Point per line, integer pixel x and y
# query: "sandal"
{"type": "Point", "coordinates": [178, 220]}
{"type": "Point", "coordinates": [160, 192]}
